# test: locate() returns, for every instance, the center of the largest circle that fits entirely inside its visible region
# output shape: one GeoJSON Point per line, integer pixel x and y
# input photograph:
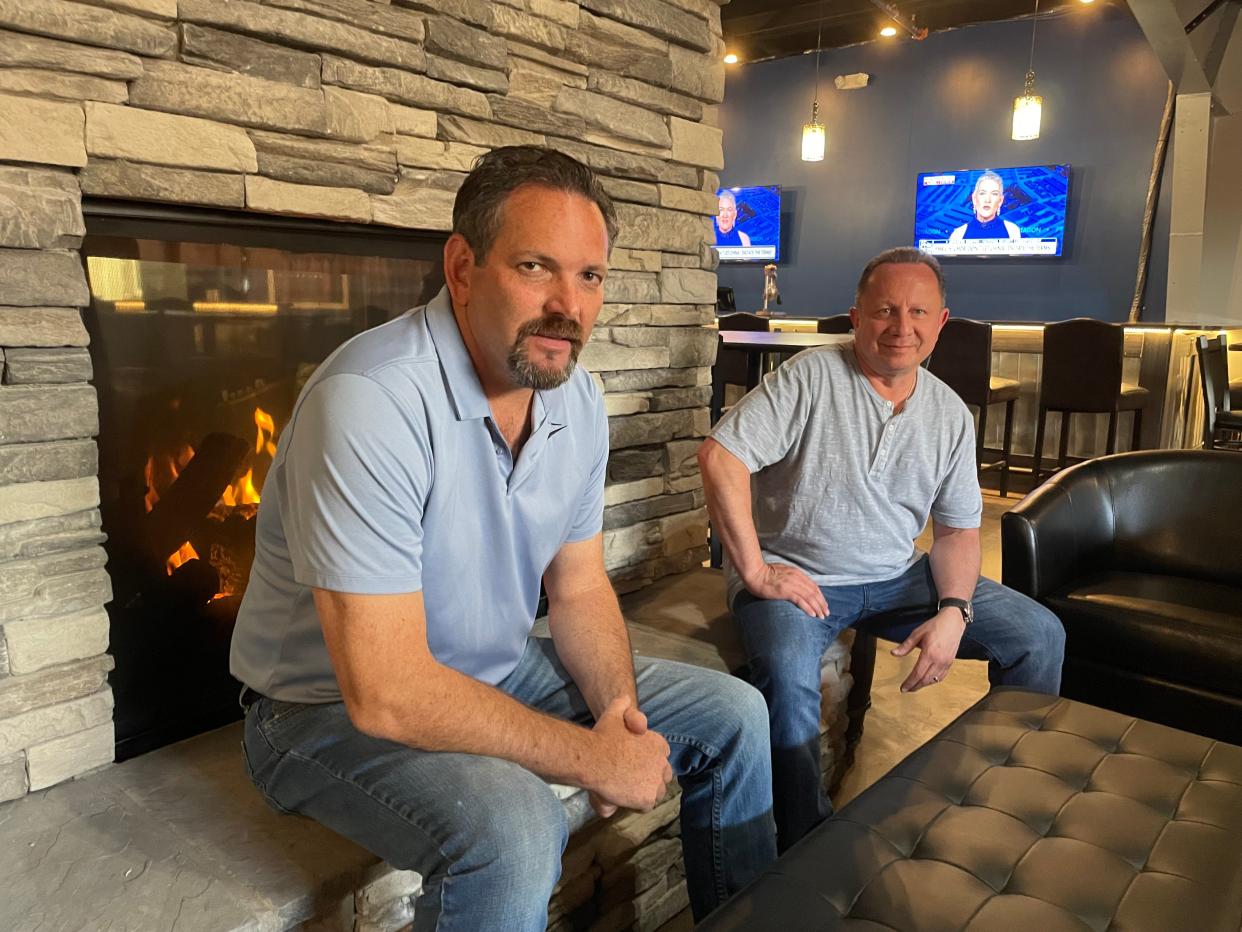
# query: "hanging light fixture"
{"type": "Point", "coordinates": [1028, 109]}
{"type": "Point", "coordinates": [813, 135]}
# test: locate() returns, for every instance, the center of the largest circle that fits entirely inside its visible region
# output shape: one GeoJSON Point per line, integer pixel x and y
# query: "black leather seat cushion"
{"type": "Point", "coordinates": [1029, 813]}
{"type": "Point", "coordinates": [1155, 625]}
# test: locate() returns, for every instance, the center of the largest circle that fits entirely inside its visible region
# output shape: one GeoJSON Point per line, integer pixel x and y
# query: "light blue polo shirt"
{"type": "Point", "coordinates": [392, 477]}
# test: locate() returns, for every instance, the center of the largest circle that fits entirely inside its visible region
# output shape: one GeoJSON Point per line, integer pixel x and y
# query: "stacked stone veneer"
{"type": "Point", "coordinates": [358, 110]}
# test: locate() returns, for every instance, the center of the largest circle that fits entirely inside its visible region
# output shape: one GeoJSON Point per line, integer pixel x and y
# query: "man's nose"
{"type": "Point", "coordinates": [563, 298]}
{"type": "Point", "coordinates": [902, 322]}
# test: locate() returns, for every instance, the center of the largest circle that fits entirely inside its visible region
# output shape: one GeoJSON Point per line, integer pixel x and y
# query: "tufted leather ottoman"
{"type": "Point", "coordinates": [1029, 812]}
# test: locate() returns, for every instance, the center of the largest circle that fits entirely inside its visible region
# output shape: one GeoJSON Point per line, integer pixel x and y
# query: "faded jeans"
{"type": "Point", "coordinates": [486, 834]}
{"type": "Point", "coordinates": [1023, 643]}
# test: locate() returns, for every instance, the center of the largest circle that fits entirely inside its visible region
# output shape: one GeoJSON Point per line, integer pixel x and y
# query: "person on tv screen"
{"type": "Point", "coordinates": [988, 198]}
{"type": "Point", "coordinates": [726, 233]}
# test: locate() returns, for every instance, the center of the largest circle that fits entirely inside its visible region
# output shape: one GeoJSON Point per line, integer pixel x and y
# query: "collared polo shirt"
{"type": "Point", "coordinates": [392, 477]}
{"type": "Point", "coordinates": [840, 484]}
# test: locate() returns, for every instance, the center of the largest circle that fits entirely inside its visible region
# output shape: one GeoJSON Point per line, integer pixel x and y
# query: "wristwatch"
{"type": "Point", "coordinates": [967, 609]}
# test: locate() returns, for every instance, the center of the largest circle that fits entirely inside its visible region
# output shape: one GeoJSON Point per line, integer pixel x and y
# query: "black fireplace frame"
{"type": "Point", "coordinates": [174, 223]}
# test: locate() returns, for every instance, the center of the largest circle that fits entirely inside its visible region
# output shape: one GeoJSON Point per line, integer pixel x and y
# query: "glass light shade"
{"type": "Point", "coordinates": [1027, 113]}
{"type": "Point", "coordinates": [813, 138]}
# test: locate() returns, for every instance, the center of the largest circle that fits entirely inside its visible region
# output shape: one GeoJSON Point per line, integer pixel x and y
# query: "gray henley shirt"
{"type": "Point", "coordinates": [841, 486]}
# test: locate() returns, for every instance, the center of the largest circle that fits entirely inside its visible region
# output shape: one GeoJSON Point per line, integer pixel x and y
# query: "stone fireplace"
{"type": "Point", "coordinates": [360, 117]}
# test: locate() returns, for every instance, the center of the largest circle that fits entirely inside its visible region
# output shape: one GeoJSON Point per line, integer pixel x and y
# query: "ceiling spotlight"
{"type": "Point", "coordinates": [888, 32]}
{"type": "Point", "coordinates": [1088, 1]}
{"type": "Point", "coordinates": [730, 59]}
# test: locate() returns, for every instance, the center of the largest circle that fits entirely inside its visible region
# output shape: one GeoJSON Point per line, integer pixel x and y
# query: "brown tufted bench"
{"type": "Point", "coordinates": [1029, 813]}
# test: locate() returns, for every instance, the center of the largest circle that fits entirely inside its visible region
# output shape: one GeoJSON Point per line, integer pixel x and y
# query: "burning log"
{"type": "Point", "coordinates": [184, 505]}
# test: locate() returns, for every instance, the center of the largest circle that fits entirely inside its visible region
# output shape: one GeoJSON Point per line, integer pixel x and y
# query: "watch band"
{"type": "Point", "coordinates": [962, 605]}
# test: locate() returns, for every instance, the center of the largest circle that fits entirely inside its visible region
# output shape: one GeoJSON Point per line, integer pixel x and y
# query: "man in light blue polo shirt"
{"type": "Point", "coordinates": [435, 470]}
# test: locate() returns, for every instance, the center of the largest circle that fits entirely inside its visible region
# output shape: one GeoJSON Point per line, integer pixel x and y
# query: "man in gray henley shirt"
{"type": "Point", "coordinates": [818, 482]}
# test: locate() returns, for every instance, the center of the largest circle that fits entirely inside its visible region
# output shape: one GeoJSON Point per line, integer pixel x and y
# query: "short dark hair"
{"type": "Point", "coordinates": [900, 255]}
{"type": "Point", "coordinates": [497, 174]}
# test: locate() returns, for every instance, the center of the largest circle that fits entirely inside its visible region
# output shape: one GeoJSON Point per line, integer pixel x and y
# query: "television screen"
{"type": "Point", "coordinates": [748, 224]}
{"type": "Point", "coordinates": [992, 212]}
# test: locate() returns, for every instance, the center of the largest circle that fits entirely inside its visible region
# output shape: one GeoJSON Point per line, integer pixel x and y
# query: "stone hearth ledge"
{"type": "Point", "coordinates": [178, 839]}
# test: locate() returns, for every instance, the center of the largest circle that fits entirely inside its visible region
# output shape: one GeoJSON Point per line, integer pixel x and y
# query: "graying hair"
{"type": "Point", "coordinates": [726, 194]}
{"type": "Point", "coordinates": [477, 210]}
{"type": "Point", "coordinates": [990, 175]}
{"type": "Point", "coordinates": [900, 255]}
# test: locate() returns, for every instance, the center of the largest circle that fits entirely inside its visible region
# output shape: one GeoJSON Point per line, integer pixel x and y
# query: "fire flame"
{"type": "Point", "coordinates": [185, 552]}
{"type": "Point", "coordinates": [161, 472]}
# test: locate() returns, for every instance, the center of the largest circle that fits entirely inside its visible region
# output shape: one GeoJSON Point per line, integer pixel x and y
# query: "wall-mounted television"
{"type": "Point", "coordinates": [1016, 212]}
{"type": "Point", "coordinates": [748, 224]}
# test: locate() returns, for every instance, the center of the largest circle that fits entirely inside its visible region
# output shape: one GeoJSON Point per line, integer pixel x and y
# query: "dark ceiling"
{"type": "Point", "coordinates": [759, 29]}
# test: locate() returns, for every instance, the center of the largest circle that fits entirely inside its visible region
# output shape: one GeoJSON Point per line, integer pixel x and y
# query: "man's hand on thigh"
{"type": "Point", "coordinates": [937, 639]}
{"type": "Point", "coordinates": [782, 581]}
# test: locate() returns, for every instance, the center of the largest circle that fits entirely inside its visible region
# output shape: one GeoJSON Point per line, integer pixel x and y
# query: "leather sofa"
{"type": "Point", "coordinates": [1029, 813]}
{"type": "Point", "coordinates": [1140, 555]}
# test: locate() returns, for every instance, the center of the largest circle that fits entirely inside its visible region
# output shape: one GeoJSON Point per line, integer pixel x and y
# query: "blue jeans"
{"type": "Point", "coordinates": [487, 835]}
{"type": "Point", "coordinates": [1023, 643]}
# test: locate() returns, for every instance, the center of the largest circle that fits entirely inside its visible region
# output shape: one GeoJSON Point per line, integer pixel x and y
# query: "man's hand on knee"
{"type": "Point", "coordinates": [632, 761]}
{"type": "Point", "coordinates": [937, 639]}
{"type": "Point", "coordinates": [781, 581]}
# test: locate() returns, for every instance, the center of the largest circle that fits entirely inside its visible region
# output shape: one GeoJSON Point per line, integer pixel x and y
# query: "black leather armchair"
{"type": "Point", "coordinates": [1140, 555]}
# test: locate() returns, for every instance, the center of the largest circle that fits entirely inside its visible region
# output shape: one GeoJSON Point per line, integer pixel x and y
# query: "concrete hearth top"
{"type": "Point", "coordinates": [176, 840]}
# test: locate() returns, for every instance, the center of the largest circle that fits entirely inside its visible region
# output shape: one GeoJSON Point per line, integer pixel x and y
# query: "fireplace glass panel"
{"type": "Point", "coordinates": [204, 328]}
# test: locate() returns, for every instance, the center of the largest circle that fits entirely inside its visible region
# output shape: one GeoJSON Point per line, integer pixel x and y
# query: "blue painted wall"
{"type": "Point", "coordinates": [942, 104]}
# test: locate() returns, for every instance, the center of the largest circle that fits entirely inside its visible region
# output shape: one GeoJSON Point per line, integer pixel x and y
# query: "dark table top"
{"type": "Point", "coordinates": [775, 341]}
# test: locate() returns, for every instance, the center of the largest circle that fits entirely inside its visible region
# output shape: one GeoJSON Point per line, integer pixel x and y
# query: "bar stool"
{"type": "Point", "coordinates": [963, 360]}
{"type": "Point", "coordinates": [839, 323]}
{"type": "Point", "coordinates": [732, 366]}
{"type": "Point", "coordinates": [1082, 374]}
{"type": "Point", "coordinates": [1222, 416]}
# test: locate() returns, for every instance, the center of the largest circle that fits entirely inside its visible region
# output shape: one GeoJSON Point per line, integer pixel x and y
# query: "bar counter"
{"type": "Point", "coordinates": [1158, 356]}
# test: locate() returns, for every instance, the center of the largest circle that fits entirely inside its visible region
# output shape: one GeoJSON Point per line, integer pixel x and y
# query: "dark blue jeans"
{"type": "Point", "coordinates": [1023, 643]}
{"type": "Point", "coordinates": [487, 835]}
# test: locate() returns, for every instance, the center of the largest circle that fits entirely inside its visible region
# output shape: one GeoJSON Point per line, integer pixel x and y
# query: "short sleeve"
{"type": "Point", "coordinates": [762, 428]}
{"type": "Point", "coordinates": [357, 472]}
{"type": "Point", "coordinates": [589, 515]}
{"type": "Point", "coordinates": [959, 502]}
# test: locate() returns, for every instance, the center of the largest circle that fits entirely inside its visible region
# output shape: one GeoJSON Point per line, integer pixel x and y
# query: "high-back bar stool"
{"type": "Point", "coordinates": [963, 360]}
{"type": "Point", "coordinates": [733, 367]}
{"type": "Point", "coordinates": [838, 323]}
{"type": "Point", "coordinates": [1222, 413]}
{"type": "Point", "coordinates": [1082, 375]}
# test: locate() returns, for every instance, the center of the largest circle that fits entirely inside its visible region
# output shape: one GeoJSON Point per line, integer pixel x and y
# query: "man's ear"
{"type": "Point", "coordinates": [458, 261]}
{"type": "Point", "coordinates": [944, 318]}
{"type": "Point", "coordinates": [854, 317]}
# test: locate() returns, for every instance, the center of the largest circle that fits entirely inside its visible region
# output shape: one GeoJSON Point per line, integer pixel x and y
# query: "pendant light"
{"type": "Point", "coordinates": [813, 135]}
{"type": "Point", "coordinates": [1028, 108]}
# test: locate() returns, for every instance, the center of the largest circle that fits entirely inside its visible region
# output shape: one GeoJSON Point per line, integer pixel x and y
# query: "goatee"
{"type": "Point", "coordinates": [529, 374]}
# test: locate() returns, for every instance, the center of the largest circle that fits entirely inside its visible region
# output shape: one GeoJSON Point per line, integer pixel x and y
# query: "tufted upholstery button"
{"type": "Point", "coordinates": [1024, 914]}
{"type": "Point", "coordinates": [1123, 826]}
{"type": "Point", "coordinates": [1028, 814]}
{"type": "Point", "coordinates": [1152, 782]}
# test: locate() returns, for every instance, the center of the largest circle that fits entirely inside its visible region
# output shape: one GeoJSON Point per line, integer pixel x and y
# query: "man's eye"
{"type": "Point", "coordinates": [593, 277]}
{"type": "Point", "coordinates": [530, 266]}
